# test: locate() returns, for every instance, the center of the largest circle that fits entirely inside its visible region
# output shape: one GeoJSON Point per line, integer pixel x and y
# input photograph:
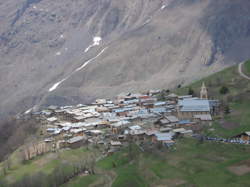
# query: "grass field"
{"type": "Point", "coordinates": [247, 68]}
{"type": "Point", "coordinates": [228, 77]}
{"type": "Point", "coordinates": [81, 181]}
{"type": "Point", "coordinates": [190, 163]}
{"type": "Point", "coordinates": [45, 164]}
{"type": "Point", "coordinates": [238, 99]}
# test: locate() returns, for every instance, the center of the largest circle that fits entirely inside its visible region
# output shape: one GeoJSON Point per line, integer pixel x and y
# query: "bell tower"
{"type": "Point", "coordinates": [203, 92]}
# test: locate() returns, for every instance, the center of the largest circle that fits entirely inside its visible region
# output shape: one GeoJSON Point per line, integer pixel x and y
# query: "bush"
{"type": "Point", "coordinates": [224, 90]}
{"type": "Point", "coordinates": [161, 96]}
{"type": "Point", "coordinates": [227, 109]}
{"type": "Point", "coordinates": [190, 91]}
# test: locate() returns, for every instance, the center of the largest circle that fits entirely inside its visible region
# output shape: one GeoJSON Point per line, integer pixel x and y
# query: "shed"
{"type": "Point", "coordinates": [164, 122]}
{"type": "Point", "coordinates": [172, 119]}
{"type": "Point", "coordinates": [245, 136]}
{"type": "Point", "coordinates": [185, 123]}
{"type": "Point", "coordinates": [163, 136]}
{"type": "Point", "coordinates": [76, 142]}
{"type": "Point", "coordinates": [115, 143]}
{"type": "Point", "coordinates": [52, 119]}
{"type": "Point", "coordinates": [135, 127]}
{"type": "Point", "coordinates": [179, 130]}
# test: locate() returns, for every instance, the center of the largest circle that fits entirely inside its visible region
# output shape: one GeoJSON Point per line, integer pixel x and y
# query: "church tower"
{"type": "Point", "coordinates": [203, 93]}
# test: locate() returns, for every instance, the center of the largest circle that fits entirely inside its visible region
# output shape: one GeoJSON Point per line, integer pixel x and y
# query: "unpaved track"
{"type": "Point", "coordinates": [241, 72]}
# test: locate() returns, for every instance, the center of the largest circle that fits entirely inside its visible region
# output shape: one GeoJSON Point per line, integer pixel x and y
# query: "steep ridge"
{"type": "Point", "coordinates": [46, 47]}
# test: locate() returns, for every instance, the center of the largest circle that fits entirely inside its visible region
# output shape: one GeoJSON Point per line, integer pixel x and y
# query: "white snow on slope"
{"type": "Point", "coordinates": [28, 111]}
{"type": "Point", "coordinates": [166, 4]}
{"type": "Point", "coordinates": [87, 62]}
{"type": "Point", "coordinates": [55, 86]}
{"type": "Point", "coordinates": [96, 41]}
{"type": "Point", "coordinates": [58, 53]}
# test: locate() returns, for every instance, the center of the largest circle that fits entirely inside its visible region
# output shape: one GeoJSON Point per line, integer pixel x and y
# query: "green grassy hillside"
{"type": "Point", "coordinates": [237, 99]}
{"type": "Point", "coordinates": [247, 68]}
{"type": "Point", "coordinates": [188, 164]}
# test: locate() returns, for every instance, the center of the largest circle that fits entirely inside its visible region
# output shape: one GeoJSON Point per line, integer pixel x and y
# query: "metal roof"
{"type": "Point", "coordinates": [52, 119]}
{"type": "Point", "coordinates": [172, 95]}
{"type": "Point", "coordinates": [75, 139]}
{"type": "Point", "coordinates": [131, 101]}
{"type": "Point", "coordinates": [165, 121]}
{"type": "Point", "coordinates": [179, 130]}
{"type": "Point", "coordinates": [248, 133]}
{"type": "Point", "coordinates": [183, 122]}
{"type": "Point", "coordinates": [159, 103]}
{"type": "Point", "coordinates": [135, 127]}
{"type": "Point", "coordinates": [115, 143]}
{"type": "Point", "coordinates": [164, 136]}
{"type": "Point", "coordinates": [194, 105]}
{"type": "Point", "coordinates": [158, 110]}
{"type": "Point", "coordinates": [172, 119]}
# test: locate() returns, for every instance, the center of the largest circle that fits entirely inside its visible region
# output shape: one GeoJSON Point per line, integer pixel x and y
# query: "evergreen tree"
{"type": "Point", "coordinates": [224, 90]}
{"type": "Point", "coordinates": [190, 91]}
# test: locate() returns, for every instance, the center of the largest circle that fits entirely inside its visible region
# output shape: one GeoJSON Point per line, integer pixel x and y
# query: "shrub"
{"type": "Point", "coordinates": [224, 90]}
{"type": "Point", "coordinates": [190, 91]}
{"type": "Point", "coordinates": [226, 109]}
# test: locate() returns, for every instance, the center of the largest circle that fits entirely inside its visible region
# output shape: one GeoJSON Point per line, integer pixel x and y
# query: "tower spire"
{"type": "Point", "coordinates": [203, 92]}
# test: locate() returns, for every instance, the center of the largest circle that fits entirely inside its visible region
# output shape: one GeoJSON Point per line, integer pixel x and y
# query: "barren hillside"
{"type": "Point", "coordinates": [65, 52]}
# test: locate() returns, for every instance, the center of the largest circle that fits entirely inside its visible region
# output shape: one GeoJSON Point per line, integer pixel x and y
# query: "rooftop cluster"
{"type": "Point", "coordinates": [113, 123]}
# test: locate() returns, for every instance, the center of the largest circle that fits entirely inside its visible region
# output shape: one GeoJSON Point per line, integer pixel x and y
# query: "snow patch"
{"type": "Point", "coordinates": [55, 86]}
{"type": "Point", "coordinates": [87, 49]}
{"type": "Point", "coordinates": [166, 4]}
{"type": "Point", "coordinates": [58, 53]}
{"type": "Point", "coordinates": [28, 111]}
{"type": "Point", "coordinates": [87, 62]}
{"type": "Point", "coordinates": [96, 41]}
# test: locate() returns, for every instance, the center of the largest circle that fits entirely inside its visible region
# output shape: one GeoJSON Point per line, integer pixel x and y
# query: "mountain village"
{"type": "Point", "coordinates": [141, 118]}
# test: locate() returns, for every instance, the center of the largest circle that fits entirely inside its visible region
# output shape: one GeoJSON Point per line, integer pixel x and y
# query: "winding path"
{"type": "Point", "coordinates": [241, 72]}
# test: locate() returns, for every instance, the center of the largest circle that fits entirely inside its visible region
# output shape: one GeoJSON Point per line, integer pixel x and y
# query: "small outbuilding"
{"type": "Point", "coordinates": [76, 142]}
{"type": "Point", "coordinates": [245, 136]}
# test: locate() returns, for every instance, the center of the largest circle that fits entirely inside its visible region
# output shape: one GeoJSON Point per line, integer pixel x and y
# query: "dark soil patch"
{"type": "Point", "coordinates": [239, 170]}
{"type": "Point", "coordinates": [229, 125]}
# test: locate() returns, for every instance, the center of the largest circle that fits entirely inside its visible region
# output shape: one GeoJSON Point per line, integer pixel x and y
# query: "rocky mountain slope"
{"type": "Point", "coordinates": [66, 52]}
